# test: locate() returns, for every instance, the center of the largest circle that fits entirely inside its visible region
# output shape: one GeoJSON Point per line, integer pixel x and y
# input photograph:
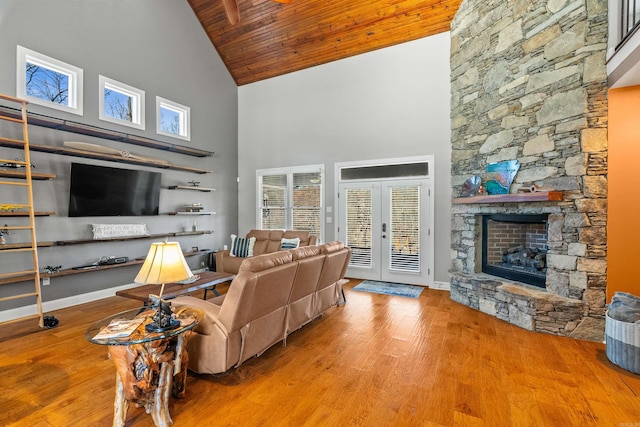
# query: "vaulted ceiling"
{"type": "Point", "coordinates": [273, 38]}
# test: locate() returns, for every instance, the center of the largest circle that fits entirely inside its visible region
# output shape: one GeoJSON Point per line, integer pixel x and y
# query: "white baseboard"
{"type": "Point", "coordinates": [47, 306]}
{"type": "Point", "coordinates": [441, 286]}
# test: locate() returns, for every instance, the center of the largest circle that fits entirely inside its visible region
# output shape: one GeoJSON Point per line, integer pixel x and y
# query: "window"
{"type": "Point", "coordinates": [46, 81]}
{"type": "Point", "coordinates": [291, 199]}
{"type": "Point", "coordinates": [120, 103]}
{"type": "Point", "coordinates": [173, 119]}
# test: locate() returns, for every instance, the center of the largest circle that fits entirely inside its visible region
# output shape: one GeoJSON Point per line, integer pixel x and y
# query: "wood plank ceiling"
{"type": "Point", "coordinates": [272, 38]}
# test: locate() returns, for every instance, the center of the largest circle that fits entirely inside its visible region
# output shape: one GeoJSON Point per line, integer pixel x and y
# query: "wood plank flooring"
{"type": "Point", "coordinates": [375, 361]}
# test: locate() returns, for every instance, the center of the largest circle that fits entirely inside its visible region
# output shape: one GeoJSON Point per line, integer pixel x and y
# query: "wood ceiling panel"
{"type": "Point", "coordinates": [272, 38]}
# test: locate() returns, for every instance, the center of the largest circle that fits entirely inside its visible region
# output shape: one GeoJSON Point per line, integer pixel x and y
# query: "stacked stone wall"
{"type": "Point", "coordinates": [529, 83]}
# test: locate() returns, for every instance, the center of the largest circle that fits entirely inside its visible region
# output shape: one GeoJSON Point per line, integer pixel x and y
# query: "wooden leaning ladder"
{"type": "Point", "coordinates": [27, 184]}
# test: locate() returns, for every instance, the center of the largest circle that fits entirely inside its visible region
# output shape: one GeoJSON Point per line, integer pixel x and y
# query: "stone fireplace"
{"type": "Point", "coordinates": [529, 84]}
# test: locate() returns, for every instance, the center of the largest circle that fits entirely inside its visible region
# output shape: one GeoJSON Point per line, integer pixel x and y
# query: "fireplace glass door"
{"type": "Point", "coordinates": [514, 246]}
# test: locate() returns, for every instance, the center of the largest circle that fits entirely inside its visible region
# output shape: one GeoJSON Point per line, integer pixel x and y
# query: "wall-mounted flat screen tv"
{"type": "Point", "coordinates": [104, 191]}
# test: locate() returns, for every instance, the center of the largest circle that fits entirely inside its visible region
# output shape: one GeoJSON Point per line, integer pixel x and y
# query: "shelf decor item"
{"type": "Point", "coordinates": [96, 148]}
{"type": "Point", "coordinates": [52, 268]}
{"type": "Point", "coordinates": [106, 231]}
{"type": "Point", "coordinates": [164, 263]}
{"type": "Point", "coordinates": [194, 207]}
{"type": "Point", "coordinates": [5, 207]}
{"type": "Point", "coordinates": [500, 175]}
{"type": "Point", "coordinates": [471, 186]}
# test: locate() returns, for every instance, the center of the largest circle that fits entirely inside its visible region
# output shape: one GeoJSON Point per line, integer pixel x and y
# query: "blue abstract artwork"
{"type": "Point", "coordinates": [500, 175]}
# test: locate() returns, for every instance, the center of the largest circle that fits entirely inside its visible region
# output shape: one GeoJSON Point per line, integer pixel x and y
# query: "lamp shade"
{"type": "Point", "coordinates": [164, 264]}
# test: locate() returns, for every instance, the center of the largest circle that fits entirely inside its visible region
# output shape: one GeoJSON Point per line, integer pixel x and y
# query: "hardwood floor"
{"type": "Point", "coordinates": [375, 361]}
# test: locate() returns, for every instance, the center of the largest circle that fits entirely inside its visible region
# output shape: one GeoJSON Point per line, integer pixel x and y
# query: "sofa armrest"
{"type": "Point", "coordinates": [220, 257]}
{"type": "Point", "coordinates": [212, 348]}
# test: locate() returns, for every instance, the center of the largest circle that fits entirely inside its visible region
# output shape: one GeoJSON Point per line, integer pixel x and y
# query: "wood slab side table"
{"type": "Point", "coordinates": [150, 366]}
{"type": "Point", "coordinates": [208, 280]}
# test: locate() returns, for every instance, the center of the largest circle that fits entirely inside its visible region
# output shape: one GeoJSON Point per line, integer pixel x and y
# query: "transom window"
{"type": "Point", "coordinates": [173, 119]}
{"type": "Point", "coordinates": [291, 199]}
{"type": "Point", "coordinates": [49, 82]}
{"type": "Point", "coordinates": [120, 103]}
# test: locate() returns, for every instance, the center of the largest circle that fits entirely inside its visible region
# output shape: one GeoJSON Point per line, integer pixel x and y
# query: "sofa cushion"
{"type": "Point", "coordinates": [262, 242]}
{"type": "Point", "coordinates": [241, 246]}
{"type": "Point", "coordinates": [304, 252]}
{"type": "Point", "coordinates": [286, 244]}
{"type": "Point", "coordinates": [331, 247]}
{"type": "Point", "coordinates": [265, 261]}
{"type": "Point", "coordinates": [274, 242]}
{"type": "Point", "coordinates": [304, 236]}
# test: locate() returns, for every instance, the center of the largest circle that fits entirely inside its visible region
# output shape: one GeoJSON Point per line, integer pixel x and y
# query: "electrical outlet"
{"type": "Point", "coordinates": [46, 281]}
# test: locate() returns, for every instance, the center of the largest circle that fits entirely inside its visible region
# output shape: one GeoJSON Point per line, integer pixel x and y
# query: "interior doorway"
{"type": "Point", "coordinates": [384, 215]}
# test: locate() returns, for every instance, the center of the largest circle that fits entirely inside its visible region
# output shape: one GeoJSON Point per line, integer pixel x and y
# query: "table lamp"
{"type": "Point", "coordinates": [164, 264]}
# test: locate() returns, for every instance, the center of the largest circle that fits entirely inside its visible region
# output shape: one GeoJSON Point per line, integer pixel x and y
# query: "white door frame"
{"type": "Point", "coordinates": [430, 160]}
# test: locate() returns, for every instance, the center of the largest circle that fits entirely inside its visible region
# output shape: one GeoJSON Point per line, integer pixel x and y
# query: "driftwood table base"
{"type": "Point", "coordinates": [150, 365]}
{"type": "Point", "coordinates": [147, 374]}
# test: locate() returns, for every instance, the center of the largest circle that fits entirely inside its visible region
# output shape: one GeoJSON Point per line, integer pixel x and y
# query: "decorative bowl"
{"type": "Point", "coordinates": [471, 185]}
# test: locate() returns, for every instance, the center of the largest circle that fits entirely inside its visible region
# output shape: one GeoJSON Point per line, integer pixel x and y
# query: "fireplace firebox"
{"type": "Point", "coordinates": [514, 247]}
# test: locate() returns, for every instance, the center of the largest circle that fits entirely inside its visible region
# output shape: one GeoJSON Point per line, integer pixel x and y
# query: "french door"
{"type": "Point", "coordinates": [386, 224]}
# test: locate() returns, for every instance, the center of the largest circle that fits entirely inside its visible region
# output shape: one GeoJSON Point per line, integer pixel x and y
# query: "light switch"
{"type": "Point", "coordinates": [329, 220]}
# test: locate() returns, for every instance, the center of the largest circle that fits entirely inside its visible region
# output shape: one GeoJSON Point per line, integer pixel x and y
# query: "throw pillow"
{"type": "Point", "coordinates": [241, 246]}
{"type": "Point", "coordinates": [289, 243]}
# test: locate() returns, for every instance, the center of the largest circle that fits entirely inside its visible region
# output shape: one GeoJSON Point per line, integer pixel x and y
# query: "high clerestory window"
{"type": "Point", "coordinates": [47, 81]}
{"type": "Point", "coordinates": [173, 119]}
{"type": "Point", "coordinates": [120, 103]}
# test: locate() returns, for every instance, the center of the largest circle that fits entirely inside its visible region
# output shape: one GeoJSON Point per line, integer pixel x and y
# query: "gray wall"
{"type": "Point", "coordinates": [154, 45]}
{"type": "Point", "coordinates": [390, 103]}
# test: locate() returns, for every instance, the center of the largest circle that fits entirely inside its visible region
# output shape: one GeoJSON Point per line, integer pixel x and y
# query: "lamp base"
{"type": "Point", "coordinates": [156, 327]}
{"type": "Point", "coordinates": [163, 317]}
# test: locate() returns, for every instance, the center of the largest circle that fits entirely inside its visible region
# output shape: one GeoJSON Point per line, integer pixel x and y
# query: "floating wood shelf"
{"type": "Point", "coordinates": [24, 213]}
{"type": "Point", "coordinates": [112, 239]}
{"type": "Point", "coordinates": [71, 271]}
{"type": "Point", "coordinates": [538, 196]}
{"type": "Point", "coordinates": [83, 129]}
{"type": "Point", "coordinates": [191, 213]}
{"type": "Point", "coordinates": [4, 142]}
{"type": "Point", "coordinates": [9, 246]}
{"type": "Point", "coordinates": [120, 239]}
{"type": "Point", "coordinates": [22, 175]}
{"type": "Point", "coordinates": [188, 187]}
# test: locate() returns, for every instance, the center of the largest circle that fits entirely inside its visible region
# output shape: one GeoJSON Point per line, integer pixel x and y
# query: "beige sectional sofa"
{"type": "Point", "coordinates": [267, 241]}
{"type": "Point", "coordinates": [272, 295]}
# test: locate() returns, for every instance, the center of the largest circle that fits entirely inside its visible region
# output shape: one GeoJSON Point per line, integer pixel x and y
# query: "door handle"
{"type": "Point", "coordinates": [384, 227]}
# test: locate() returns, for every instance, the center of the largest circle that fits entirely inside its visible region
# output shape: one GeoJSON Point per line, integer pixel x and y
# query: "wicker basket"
{"type": "Point", "coordinates": [623, 344]}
